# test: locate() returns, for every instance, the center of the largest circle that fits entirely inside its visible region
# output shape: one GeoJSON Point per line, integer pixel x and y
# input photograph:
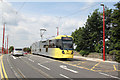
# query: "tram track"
{"type": "Point", "coordinates": [46, 76]}
{"type": "Point", "coordinates": [18, 74]}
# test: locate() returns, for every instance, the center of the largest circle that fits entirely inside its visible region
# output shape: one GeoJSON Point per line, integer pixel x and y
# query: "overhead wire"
{"type": "Point", "coordinates": [81, 10]}
{"type": "Point", "coordinates": [21, 7]}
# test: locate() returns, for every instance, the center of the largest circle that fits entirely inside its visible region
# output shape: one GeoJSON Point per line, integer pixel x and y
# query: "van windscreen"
{"type": "Point", "coordinates": [18, 49]}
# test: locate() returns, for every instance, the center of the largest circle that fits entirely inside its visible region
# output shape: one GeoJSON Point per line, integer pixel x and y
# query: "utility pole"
{"type": "Point", "coordinates": [3, 38]}
{"type": "Point", "coordinates": [103, 33]}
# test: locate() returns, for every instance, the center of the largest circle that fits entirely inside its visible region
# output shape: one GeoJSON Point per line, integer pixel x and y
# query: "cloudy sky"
{"type": "Point", "coordinates": [25, 19]}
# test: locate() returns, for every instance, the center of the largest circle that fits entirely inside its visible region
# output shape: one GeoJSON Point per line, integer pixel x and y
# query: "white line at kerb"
{"type": "Point", "coordinates": [109, 75]}
{"type": "Point", "coordinates": [44, 66]}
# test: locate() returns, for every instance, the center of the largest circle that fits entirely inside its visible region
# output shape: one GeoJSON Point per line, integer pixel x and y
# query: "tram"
{"type": "Point", "coordinates": [58, 47]}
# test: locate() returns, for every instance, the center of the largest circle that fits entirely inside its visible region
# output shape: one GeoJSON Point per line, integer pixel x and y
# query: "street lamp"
{"type": "Point", "coordinates": [103, 33]}
{"type": "Point", "coordinates": [7, 44]}
{"type": "Point", "coordinates": [42, 31]}
{"type": "Point", "coordinates": [57, 31]}
{"type": "Point", "coordinates": [3, 38]}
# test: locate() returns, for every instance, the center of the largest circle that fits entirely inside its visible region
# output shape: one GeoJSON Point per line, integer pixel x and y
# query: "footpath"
{"type": "Point", "coordinates": [94, 59]}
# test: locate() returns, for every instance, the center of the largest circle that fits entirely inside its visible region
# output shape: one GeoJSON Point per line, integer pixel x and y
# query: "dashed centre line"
{"type": "Point", "coordinates": [64, 76]}
{"type": "Point", "coordinates": [44, 66]}
{"type": "Point", "coordinates": [31, 60]}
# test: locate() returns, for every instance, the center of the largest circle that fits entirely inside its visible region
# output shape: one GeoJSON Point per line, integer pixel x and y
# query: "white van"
{"type": "Point", "coordinates": [18, 52]}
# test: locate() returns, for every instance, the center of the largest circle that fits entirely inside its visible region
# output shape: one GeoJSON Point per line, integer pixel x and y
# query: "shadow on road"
{"type": "Point", "coordinates": [60, 59]}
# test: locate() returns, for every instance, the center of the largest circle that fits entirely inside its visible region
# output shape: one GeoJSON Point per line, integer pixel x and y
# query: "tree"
{"type": "Point", "coordinates": [94, 29]}
{"type": "Point", "coordinates": [90, 36]}
{"type": "Point", "coordinates": [11, 49]}
{"type": "Point", "coordinates": [115, 30]}
{"type": "Point", "coordinates": [26, 49]}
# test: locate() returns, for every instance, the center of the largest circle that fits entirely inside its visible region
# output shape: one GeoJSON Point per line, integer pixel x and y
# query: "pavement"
{"type": "Point", "coordinates": [95, 59]}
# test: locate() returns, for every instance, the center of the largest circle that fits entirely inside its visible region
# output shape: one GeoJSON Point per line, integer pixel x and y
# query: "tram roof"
{"type": "Point", "coordinates": [57, 37]}
{"type": "Point", "coordinates": [60, 36]}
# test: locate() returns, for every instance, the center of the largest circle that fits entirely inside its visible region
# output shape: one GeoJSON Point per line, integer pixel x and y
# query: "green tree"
{"type": "Point", "coordinates": [93, 28]}
{"type": "Point", "coordinates": [11, 49]}
{"type": "Point", "coordinates": [26, 49]}
{"type": "Point", "coordinates": [115, 30]}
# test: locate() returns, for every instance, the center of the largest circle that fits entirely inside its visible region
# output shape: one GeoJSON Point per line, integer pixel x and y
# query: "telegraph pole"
{"type": "Point", "coordinates": [103, 33]}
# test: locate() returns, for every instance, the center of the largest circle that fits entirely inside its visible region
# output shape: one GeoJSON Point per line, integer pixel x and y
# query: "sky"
{"type": "Point", "coordinates": [25, 19]}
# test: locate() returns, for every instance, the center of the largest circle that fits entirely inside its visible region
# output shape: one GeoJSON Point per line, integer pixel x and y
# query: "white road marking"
{"type": "Point", "coordinates": [31, 60]}
{"type": "Point", "coordinates": [44, 66]}
{"type": "Point", "coordinates": [109, 75]}
{"type": "Point", "coordinates": [65, 67]}
{"type": "Point", "coordinates": [64, 76]}
{"type": "Point", "coordinates": [13, 57]}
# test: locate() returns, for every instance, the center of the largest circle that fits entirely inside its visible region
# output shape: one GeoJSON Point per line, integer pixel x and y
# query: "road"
{"type": "Point", "coordinates": [41, 67]}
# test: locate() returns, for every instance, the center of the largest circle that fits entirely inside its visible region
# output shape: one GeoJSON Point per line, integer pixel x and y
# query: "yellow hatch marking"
{"type": "Point", "coordinates": [114, 67]}
{"type": "Point", "coordinates": [95, 66]}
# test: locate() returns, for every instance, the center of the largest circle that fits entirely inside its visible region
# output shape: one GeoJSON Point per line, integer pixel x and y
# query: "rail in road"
{"type": "Point", "coordinates": [41, 67]}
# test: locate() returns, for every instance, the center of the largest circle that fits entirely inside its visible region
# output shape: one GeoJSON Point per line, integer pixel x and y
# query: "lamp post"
{"type": "Point", "coordinates": [7, 44]}
{"type": "Point", "coordinates": [42, 31]}
{"type": "Point", "coordinates": [3, 38]}
{"type": "Point", "coordinates": [103, 33]}
{"type": "Point", "coordinates": [57, 31]}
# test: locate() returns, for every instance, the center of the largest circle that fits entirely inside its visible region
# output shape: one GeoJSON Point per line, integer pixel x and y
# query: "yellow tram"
{"type": "Point", "coordinates": [58, 47]}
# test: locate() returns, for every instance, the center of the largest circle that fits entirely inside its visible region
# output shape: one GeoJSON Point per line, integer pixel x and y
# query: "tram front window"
{"type": "Point", "coordinates": [67, 45]}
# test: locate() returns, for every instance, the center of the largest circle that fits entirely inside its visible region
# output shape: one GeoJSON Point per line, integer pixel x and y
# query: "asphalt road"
{"type": "Point", "coordinates": [41, 67]}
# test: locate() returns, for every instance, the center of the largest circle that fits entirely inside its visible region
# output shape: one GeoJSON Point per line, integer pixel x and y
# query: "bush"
{"type": "Point", "coordinates": [117, 54]}
{"type": "Point", "coordinates": [113, 52]}
{"type": "Point", "coordinates": [84, 52]}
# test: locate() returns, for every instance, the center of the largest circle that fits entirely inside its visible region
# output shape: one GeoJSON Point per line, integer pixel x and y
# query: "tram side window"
{"type": "Point", "coordinates": [59, 44]}
{"type": "Point", "coordinates": [52, 44]}
{"type": "Point", "coordinates": [45, 46]}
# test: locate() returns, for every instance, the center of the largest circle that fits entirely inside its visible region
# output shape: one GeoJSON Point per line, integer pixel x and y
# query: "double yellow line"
{"type": "Point", "coordinates": [2, 70]}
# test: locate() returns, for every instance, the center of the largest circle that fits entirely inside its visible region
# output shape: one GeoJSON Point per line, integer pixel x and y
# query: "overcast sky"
{"type": "Point", "coordinates": [25, 19]}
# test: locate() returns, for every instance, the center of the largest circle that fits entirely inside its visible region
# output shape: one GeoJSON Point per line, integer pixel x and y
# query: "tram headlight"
{"type": "Point", "coordinates": [63, 52]}
{"type": "Point", "coordinates": [72, 52]}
